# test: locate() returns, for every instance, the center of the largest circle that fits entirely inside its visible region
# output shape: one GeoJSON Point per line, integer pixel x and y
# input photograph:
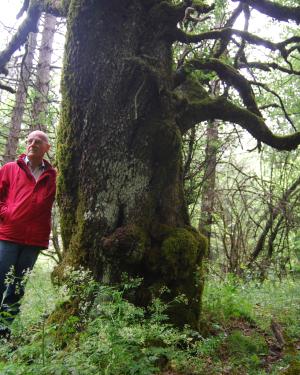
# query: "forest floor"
{"type": "Point", "coordinates": [248, 328]}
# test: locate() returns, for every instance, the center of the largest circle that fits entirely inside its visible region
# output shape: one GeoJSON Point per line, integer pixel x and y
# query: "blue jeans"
{"type": "Point", "coordinates": [21, 258]}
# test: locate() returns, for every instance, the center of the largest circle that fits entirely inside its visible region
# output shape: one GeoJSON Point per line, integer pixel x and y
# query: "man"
{"type": "Point", "coordinates": [27, 191]}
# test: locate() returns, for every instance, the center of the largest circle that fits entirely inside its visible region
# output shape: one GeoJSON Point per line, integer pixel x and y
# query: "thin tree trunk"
{"type": "Point", "coordinates": [21, 95]}
{"type": "Point", "coordinates": [273, 236]}
{"type": "Point", "coordinates": [209, 178]}
{"type": "Point", "coordinates": [40, 102]}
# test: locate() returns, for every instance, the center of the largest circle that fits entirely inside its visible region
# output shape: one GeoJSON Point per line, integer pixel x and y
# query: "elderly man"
{"type": "Point", "coordinates": [27, 191]}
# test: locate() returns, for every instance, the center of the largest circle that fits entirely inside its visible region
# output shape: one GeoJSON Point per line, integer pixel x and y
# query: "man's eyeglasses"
{"type": "Point", "coordinates": [37, 141]}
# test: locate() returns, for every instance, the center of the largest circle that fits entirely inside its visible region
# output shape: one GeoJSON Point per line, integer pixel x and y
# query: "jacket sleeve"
{"type": "Point", "coordinates": [4, 185]}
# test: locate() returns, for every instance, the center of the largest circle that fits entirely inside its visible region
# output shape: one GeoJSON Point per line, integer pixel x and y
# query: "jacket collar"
{"type": "Point", "coordinates": [27, 161]}
{"type": "Point", "coordinates": [22, 164]}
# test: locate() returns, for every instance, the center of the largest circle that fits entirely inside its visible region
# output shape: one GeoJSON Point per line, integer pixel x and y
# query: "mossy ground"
{"type": "Point", "coordinates": [117, 338]}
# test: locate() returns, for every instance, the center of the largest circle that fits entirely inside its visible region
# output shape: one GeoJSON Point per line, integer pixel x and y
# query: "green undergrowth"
{"type": "Point", "coordinates": [108, 335]}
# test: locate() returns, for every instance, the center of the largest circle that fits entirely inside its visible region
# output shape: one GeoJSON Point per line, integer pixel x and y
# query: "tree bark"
{"type": "Point", "coordinates": [21, 95]}
{"type": "Point", "coordinates": [120, 188]}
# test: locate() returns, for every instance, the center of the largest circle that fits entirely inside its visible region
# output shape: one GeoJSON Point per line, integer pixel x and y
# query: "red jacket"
{"type": "Point", "coordinates": [25, 204]}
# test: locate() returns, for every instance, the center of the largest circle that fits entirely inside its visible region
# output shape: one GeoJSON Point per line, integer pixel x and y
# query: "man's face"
{"type": "Point", "coordinates": [37, 145]}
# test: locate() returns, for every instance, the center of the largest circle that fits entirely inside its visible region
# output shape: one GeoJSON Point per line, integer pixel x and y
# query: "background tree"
{"type": "Point", "coordinates": [20, 101]}
{"type": "Point", "coordinates": [42, 84]}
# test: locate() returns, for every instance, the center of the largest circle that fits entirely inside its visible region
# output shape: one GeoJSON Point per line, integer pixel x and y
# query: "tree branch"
{"type": "Point", "coordinates": [7, 88]}
{"type": "Point", "coordinates": [34, 10]}
{"type": "Point", "coordinates": [230, 75]}
{"type": "Point", "coordinates": [27, 26]}
{"type": "Point", "coordinates": [230, 22]}
{"type": "Point", "coordinates": [267, 67]}
{"type": "Point", "coordinates": [282, 106]}
{"type": "Point", "coordinates": [241, 51]}
{"type": "Point", "coordinates": [194, 106]}
{"type": "Point", "coordinates": [275, 10]}
{"type": "Point", "coordinates": [226, 33]}
{"type": "Point", "coordinates": [23, 9]}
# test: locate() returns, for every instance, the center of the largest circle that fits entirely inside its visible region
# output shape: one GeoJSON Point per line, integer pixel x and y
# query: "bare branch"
{"type": "Point", "coordinates": [270, 105]}
{"type": "Point", "coordinates": [23, 9]}
{"type": "Point", "coordinates": [282, 106]}
{"type": "Point", "coordinates": [267, 67]}
{"type": "Point", "coordinates": [7, 88]}
{"type": "Point", "coordinates": [226, 33]}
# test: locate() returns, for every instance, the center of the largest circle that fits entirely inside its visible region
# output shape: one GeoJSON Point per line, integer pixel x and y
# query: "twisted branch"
{"type": "Point", "coordinates": [275, 10]}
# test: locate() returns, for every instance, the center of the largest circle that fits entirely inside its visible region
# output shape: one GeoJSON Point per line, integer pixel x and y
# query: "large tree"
{"type": "Point", "coordinates": [126, 103]}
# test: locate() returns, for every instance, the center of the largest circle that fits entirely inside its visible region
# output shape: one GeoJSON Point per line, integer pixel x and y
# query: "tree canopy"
{"type": "Point", "coordinates": [228, 58]}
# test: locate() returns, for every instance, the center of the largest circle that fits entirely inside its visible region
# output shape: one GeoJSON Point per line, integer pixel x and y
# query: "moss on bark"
{"type": "Point", "coordinates": [175, 261]}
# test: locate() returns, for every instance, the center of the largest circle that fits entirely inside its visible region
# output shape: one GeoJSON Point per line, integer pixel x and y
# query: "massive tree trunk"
{"type": "Point", "coordinates": [119, 152]}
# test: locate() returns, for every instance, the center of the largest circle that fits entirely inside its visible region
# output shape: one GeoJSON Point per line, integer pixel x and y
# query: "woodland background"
{"type": "Point", "coordinates": [242, 194]}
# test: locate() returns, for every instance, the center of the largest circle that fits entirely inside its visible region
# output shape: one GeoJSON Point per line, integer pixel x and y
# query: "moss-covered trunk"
{"type": "Point", "coordinates": [119, 152]}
